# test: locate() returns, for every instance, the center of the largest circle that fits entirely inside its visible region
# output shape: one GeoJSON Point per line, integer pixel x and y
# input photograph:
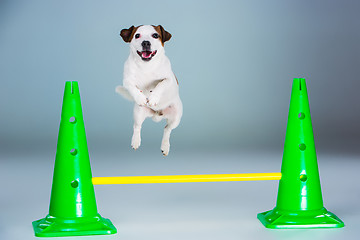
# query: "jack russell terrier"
{"type": "Point", "coordinates": [150, 82]}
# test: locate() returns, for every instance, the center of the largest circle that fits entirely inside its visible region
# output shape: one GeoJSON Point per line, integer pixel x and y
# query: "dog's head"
{"type": "Point", "coordinates": [146, 41]}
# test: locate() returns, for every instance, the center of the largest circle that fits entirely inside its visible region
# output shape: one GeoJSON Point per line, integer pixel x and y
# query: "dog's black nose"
{"type": "Point", "coordinates": [146, 45]}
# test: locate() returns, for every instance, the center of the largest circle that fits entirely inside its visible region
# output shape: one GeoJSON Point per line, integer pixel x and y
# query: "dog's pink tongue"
{"type": "Point", "coordinates": [146, 54]}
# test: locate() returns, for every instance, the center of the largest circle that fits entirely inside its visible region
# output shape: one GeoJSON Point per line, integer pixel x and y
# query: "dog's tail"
{"type": "Point", "coordinates": [124, 92]}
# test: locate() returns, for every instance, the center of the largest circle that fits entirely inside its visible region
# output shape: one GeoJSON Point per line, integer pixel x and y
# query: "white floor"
{"type": "Point", "coordinates": [178, 211]}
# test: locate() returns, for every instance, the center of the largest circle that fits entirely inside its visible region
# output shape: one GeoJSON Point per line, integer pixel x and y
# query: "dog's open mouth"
{"type": "Point", "coordinates": [146, 55]}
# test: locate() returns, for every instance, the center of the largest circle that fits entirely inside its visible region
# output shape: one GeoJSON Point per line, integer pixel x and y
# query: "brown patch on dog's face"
{"type": "Point", "coordinates": [164, 35]}
{"type": "Point", "coordinates": [128, 34]}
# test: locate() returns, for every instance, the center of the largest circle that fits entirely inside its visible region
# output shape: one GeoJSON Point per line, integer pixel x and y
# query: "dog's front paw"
{"type": "Point", "coordinates": [141, 100]}
{"type": "Point", "coordinates": [165, 148]}
{"type": "Point", "coordinates": [153, 100]}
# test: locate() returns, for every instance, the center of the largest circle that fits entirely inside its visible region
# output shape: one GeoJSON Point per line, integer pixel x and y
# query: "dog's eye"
{"type": "Point", "coordinates": [137, 35]}
{"type": "Point", "coordinates": [155, 35]}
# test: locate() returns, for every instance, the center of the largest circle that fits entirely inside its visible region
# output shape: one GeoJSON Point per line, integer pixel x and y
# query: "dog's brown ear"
{"type": "Point", "coordinates": [127, 34]}
{"type": "Point", "coordinates": [165, 36]}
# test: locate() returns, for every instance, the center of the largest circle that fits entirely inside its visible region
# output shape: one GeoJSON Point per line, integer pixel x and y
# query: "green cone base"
{"type": "Point", "coordinates": [277, 219]}
{"type": "Point", "coordinates": [60, 227]}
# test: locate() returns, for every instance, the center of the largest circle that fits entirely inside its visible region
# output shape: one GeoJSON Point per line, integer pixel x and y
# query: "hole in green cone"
{"type": "Point", "coordinates": [73, 151]}
{"type": "Point", "coordinates": [72, 120]}
{"type": "Point", "coordinates": [302, 147]}
{"type": "Point", "coordinates": [301, 115]}
{"type": "Point", "coordinates": [303, 177]}
{"type": "Point", "coordinates": [75, 184]}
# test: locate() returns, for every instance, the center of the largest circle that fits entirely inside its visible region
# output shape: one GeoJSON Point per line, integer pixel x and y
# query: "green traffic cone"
{"type": "Point", "coordinates": [73, 210]}
{"type": "Point", "coordinates": [299, 203]}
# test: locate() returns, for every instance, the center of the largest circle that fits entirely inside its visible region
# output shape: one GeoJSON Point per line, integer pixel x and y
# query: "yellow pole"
{"type": "Point", "coordinates": [187, 178]}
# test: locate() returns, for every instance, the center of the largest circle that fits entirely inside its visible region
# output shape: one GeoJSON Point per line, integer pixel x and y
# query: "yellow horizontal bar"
{"type": "Point", "coordinates": [187, 178]}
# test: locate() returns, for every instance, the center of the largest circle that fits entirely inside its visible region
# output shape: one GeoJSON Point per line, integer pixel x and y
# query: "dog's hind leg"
{"type": "Point", "coordinates": [173, 120]}
{"type": "Point", "coordinates": [140, 114]}
{"type": "Point", "coordinates": [165, 143]}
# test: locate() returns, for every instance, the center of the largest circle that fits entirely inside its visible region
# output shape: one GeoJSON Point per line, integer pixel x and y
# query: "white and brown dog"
{"type": "Point", "coordinates": [150, 82]}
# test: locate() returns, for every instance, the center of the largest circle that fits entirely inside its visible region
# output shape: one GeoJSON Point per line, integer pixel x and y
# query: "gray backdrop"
{"type": "Point", "coordinates": [235, 61]}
